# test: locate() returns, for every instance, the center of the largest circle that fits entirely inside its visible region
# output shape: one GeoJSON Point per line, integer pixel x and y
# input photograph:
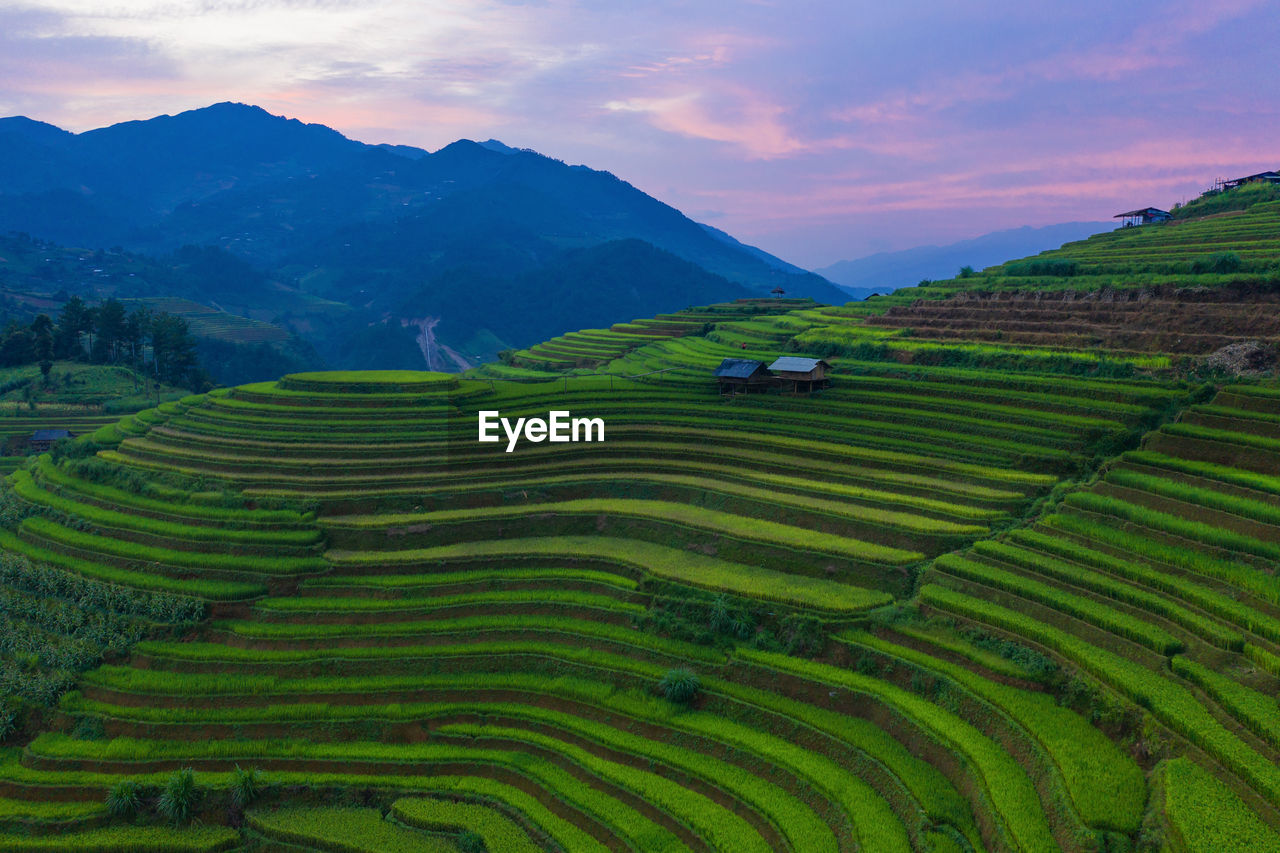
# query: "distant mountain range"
{"type": "Point", "coordinates": [886, 271]}
{"type": "Point", "coordinates": [422, 258]}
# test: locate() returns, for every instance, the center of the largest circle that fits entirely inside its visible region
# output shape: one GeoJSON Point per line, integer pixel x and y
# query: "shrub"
{"type": "Point", "coordinates": [680, 685]}
{"type": "Point", "coordinates": [178, 796]}
{"type": "Point", "coordinates": [246, 785]}
{"type": "Point", "coordinates": [124, 799]}
{"type": "Point", "coordinates": [8, 722]}
{"type": "Point", "coordinates": [469, 842]}
{"type": "Point", "coordinates": [1063, 267]}
{"type": "Point", "coordinates": [1218, 262]}
{"type": "Point", "coordinates": [966, 272]}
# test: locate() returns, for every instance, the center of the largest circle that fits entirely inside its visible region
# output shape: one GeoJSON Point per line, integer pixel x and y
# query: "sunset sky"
{"type": "Point", "coordinates": [816, 130]}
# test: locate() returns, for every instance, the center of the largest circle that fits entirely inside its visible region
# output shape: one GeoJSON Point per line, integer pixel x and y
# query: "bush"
{"type": "Point", "coordinates": [469, 842]}
{"type": "Point", "coordinates": [246, 785]}
{"type": "Point", "coordinates": [8, 722]}
{"type": "Point", "coordinates": [966, 272]}
{"type": "Point", "coordinates": [680, 685]}
{"type": "Point", "coordinates": [124, 799]}
{"type": "Point", "coordinates": [1063, 267]}
{"type": "Point", "coordinates": [178, 797]}
{"type": "Point", "coordinates": [1219, 262]}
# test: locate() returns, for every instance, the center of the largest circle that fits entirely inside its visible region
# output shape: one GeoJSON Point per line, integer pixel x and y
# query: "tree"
{"type": "Point", "coordinates": [74, 320]}
{"type": "Point", "coordinates": [110, 326]}
{"type": "Point", "coordinates": [173, 350]}
{"type": "Point", "coordinates": [17, 347]}
{"type": "Point", "coordinates": [42, 330]}
{"type": "Point", "coordinates": [136, 328]}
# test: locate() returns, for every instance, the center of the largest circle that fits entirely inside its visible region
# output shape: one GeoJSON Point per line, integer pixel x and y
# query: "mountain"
{"type": "Point", "coordinates": [886, 271]}
{"type": "Point", "coordinates": [348, 233]}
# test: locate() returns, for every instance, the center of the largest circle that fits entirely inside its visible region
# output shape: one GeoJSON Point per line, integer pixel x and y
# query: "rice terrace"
{"type": "Point", "coordinates": [1004, 580]}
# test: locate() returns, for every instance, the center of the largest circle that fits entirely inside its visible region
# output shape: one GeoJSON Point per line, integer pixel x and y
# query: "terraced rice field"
{"type": "Point", "coordinates": [1009, 602]}
{"type": "Point", "coordinates": [595, 347]}
{"type": "Point", "coordinates": [1136, 321]}
{"type": "Point", "coordinates": [208, 322]}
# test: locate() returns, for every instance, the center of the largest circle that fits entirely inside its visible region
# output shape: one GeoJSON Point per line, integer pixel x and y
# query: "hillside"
{"type": "Point", "coordinates": [886, 271]}
{"type": "Point", "coordinates": [39, 277]}
{"type": "Point", "coordinates": [344, 235]}
{"type": "Point", "coordinates": [979, 594]}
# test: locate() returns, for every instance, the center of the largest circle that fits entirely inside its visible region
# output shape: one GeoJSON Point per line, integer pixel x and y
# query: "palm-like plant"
{"type": "Point", "coordinates": [246, 785]}
{"type": "Point", "coordinates": [178, 797]}
{"type": "Point", "coordinates": [125, 798]}
{"type": "Point", "coordinates": [680, 685]}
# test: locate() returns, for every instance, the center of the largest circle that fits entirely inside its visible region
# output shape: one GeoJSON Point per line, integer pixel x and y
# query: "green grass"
{"type": "Point", "coordinates": [1196, 531]}
{"type": "Point", "coordinates": [717, 825]}
{"type": "Point", "coordinates": [1237, 574]}
{"type": "Point", "coordinates": [498, 832]}
{"type": "Point", "coordinates": [1223, 606]}
{"type": "Point", "coordinates": [667, 563]}
{"type": "Point", "coordinates": [1085, 609]}
{"type": "Point", "coordinates": [25, 487]}
{"type": "Point", "coordinates": [1004, 783]}
{"type": "Point", "coordinates": [1111, 588]}
{"type": "Point", "coordinates": [213, 590]}
{"type": "Point", "coordinates": [1106, 787]}
{"type": "Point", "coordinates": [128, 839]}
{"type": "Point", "coordinates": [474, 576]}
{"type": "Point", "coordinates": [139, 553]}
{"type": "Point", "coordinates": [1206, 815]}
{"type": "Point", "coordinates": [173, 505]}
{"type": "Point", "coordinates": [344, 830]}
{"type": "Point", "coordinates": [1212, 498]}
{"type": "Point", "coordinates": [641, 832]}
{"type": "Point", "coordinates": [47, 811]}
{"type": "Point", "coordinates": [361, 604]}
{"type": "Point", "coordinates": [729, 524]}
{"type": "Point", "coordinates": [1169, 702]}
{"type": "Point", "coordinates": [1256, 710]}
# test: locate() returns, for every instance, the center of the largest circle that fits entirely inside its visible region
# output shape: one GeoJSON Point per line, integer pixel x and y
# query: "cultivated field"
{"type": "Point", "coordinates": [981, 594]}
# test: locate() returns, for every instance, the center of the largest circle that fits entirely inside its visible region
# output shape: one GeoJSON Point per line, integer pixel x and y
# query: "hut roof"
{"type": "Point", "coordinates": [738, 368]}
{"type": "Point", "coordinates": [1146, 211]}
{"type": "Point", "coordinates": [796, 364]}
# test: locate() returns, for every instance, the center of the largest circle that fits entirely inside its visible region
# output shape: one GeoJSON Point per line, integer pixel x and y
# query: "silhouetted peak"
{"type": "Point", "coordinates": [32, 129]}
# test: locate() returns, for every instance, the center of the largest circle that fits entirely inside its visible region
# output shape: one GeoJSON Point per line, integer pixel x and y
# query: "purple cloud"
{"type": "Point", "coordinates": [820, 129]}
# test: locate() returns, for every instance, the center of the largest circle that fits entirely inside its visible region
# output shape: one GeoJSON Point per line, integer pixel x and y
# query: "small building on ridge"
{"type": "Point", "coordinates": [1145, 216]}
{"type": "Point", "coordinates": [1260, 178]}
{"type": "Point", "coordinates": [43, 439]}
{"type": "Point", "coordinates": [804, 373]}
{"type": "Point", "coordinates": [738, 375]}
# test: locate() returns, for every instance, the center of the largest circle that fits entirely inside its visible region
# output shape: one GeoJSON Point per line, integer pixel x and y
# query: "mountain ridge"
{"type": "Point", "coordinates": [290, 198]}
{"type": "Point", "coordinates": [885, 271]}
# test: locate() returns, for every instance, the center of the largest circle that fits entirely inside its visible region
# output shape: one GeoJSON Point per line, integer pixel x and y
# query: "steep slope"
{"type": "Point", "coordinates": [974, 595]}
{"type": "Point", "coordinates": [352, 236]}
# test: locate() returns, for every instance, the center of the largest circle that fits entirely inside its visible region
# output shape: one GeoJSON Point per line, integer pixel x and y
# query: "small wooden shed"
{"type": "Point", "coordinates": [804, 373]}
{"type": "Point", "coordinates": [739, 375]}
{"type": "Point", "coordinates": [1145, 216]}
{"type": "Point", "coordinates": [43, 439]}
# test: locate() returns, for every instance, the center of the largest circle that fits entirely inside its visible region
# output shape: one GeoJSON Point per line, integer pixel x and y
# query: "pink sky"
{"type": "Point", "coordinates": [816, 130]}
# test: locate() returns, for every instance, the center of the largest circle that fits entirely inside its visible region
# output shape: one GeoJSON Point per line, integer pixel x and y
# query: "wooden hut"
{"type": "Point", "coordinates": [805, 374]}
{"type": "Point", "coordinates": [1260, 178]}
{"type": "Point", "coordinates": [43, 439]}
{"type": "Point", "coordinates": [739, 375]}
{"type": "Point", "coordinates": [1145, 216]}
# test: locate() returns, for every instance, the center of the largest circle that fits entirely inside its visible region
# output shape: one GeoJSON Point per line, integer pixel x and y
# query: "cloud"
{"type": "Point", "coordinates": [811, 121]}
{"type": "Point", "coordinates": [753, 124]}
